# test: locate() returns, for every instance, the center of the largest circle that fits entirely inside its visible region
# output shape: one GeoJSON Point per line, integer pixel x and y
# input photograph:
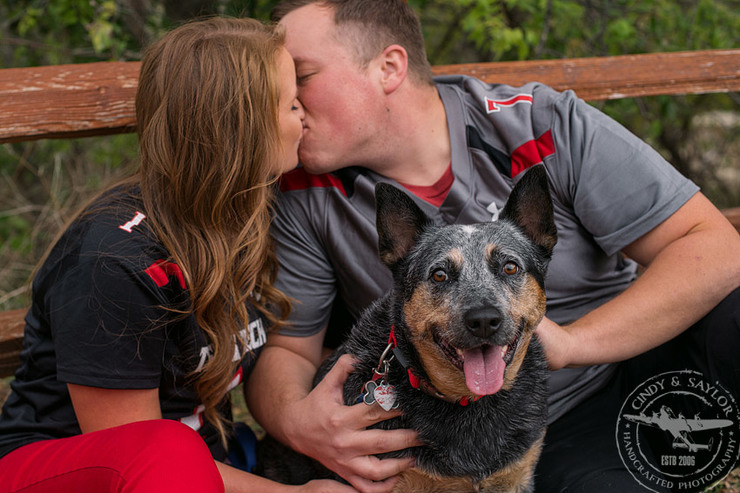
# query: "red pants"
{"type": "Point", "coordinates": [148, 456]}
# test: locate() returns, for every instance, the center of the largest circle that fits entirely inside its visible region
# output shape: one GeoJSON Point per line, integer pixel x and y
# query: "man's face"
{"type": "Point", "coordinates": [337, 94]}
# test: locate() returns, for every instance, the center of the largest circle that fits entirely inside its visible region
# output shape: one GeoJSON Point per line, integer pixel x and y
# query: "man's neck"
{"type": "Point", "coordinates": [418, 140]}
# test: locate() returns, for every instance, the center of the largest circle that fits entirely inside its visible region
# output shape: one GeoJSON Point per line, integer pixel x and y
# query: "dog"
{"type": "Point", "coordinates": [452, 345]}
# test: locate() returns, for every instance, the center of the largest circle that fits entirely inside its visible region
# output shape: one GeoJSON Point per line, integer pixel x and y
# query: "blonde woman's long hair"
{"type": "Point", "coordinates": [207, 120]}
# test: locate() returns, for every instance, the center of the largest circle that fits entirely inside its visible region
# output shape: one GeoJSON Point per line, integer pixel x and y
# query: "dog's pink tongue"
{"type": "Point", "coordinates": [484, 369]}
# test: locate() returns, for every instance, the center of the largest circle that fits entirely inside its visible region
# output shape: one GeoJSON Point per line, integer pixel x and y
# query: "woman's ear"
{"type": "Point", "coordinates": [393, 66]}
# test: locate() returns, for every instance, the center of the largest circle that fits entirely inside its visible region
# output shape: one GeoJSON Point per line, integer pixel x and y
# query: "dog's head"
{"type": "Point", "coordinates": [471, 295]}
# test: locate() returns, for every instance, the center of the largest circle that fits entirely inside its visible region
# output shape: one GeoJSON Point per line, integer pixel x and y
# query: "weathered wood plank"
{"type": "Point", "coordinates": [11, 340]}
{"type": "Point", "coordinates": [689, 72]}
{"type": "Point", "coordinates": [66, 101]}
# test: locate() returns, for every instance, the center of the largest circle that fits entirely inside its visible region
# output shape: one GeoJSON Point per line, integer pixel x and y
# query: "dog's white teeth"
{"type": "Point", "coordinates": [503, 350]}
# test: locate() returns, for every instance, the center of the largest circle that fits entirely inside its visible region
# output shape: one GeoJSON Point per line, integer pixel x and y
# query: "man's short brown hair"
{"type": "Point", "coordinates": [372, 26]}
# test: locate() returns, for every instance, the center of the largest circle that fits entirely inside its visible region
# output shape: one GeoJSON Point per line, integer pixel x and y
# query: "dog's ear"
{"type": "Point", "coordinates": [399, 221]}
{"type": "Point", "coordinates": [530, 207]}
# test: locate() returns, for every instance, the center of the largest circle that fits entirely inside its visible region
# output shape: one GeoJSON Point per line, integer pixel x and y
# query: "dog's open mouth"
{"type": "Point", "coordinates": [483, 366]}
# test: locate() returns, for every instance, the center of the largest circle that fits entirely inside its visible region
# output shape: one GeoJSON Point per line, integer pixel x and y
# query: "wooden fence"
{"type": "Point", "coordinates": [70, 101]}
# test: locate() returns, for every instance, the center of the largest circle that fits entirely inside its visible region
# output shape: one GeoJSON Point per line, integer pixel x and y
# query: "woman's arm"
{"type": "Point", "coordinates": [98, 409]}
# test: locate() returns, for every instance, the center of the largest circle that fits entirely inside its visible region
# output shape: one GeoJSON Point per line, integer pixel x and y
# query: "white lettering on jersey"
{"type": "Point", "coordinates": [195, 420]}
{"type": "Point", "coordinates": [134, 222]}
{"type": "Point", "coordinates": [493, 209]}
{"type": "Point", "coordinates": [257, 334]}
{"type": "Point", "coordinates": [205, 353]}
{"type": "Point", "coordinates": [253, 336]}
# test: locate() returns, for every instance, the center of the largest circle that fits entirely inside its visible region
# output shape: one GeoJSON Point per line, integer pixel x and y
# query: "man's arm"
{"type": "Point", "coordinates": [692, 262]}
{"type": "Point", "coordinates": [316, 422]}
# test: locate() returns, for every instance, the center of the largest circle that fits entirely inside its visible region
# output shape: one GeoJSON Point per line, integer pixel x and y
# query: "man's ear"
{"type": "Point", "coordinates": [394, 63]}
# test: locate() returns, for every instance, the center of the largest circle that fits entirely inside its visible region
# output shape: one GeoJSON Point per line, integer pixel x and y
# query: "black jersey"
{"type": "Point", "coordinates": [107, 312]}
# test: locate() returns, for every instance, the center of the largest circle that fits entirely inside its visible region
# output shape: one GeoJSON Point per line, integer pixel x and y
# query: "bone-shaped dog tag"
{"type": "Point", "coordinates": [368, 392]}
{"type": "Point", "coordinates": [385, 395]}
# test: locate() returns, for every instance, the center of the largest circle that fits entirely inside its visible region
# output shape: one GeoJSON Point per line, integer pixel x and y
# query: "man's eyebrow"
{"type": "Point", "coordinates": [302, 60]}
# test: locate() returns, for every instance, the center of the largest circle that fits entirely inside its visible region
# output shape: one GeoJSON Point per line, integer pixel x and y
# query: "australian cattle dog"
{"type": "Point", "coordinates": [452, 345]}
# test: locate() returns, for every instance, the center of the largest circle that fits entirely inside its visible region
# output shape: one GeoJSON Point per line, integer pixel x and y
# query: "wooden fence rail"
{"type": "Point", "coordinates": [65, 101]}
{"type": "Point", "coordinates": [69, 101]}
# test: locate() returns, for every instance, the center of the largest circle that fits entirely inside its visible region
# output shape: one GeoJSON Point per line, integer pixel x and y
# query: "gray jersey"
{"type": "Point", "coordinates": [608, 189]}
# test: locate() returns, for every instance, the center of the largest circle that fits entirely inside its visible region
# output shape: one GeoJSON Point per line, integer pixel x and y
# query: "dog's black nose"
{"type": "Point", "coordinates": [483, 322]}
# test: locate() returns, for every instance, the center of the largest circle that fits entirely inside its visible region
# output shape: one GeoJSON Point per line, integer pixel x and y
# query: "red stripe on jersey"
{"type": "Point", "coordinates": [531, 153]}
{"type": "Point", "coordinates": [161, 270]}
{"type": "Point", "coordinates": [299, 179]}
{"type": "Point", "coordinates": [495, 106]}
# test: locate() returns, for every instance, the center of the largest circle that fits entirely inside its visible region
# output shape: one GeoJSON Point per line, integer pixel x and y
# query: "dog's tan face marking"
{"type": "Point", "coordinates": [490, 248]}
{"type": "Point", "coordinates": [528, 304]}
{"type": "Point", "coordinates": [423, 315]}
{"type": "Point", "coordinates": [456, 258]}
{"type": "Point", "coordinates": [512, 369]}
{"type": "Point", "coordinates": [527, 309]}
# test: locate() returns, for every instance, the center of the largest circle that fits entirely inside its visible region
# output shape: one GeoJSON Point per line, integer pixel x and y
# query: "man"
{"type": "Point", "coordinates": [373, 113]}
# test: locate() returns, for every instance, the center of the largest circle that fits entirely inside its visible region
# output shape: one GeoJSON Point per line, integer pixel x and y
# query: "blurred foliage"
{"type": "Point", "coordinates": [43, 182]}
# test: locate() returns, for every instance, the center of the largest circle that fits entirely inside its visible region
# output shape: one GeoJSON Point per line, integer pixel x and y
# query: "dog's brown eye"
{"type": "Point", "coordinates": [510, 268]}
{"type": "Point", "coordinates": [439, 275]}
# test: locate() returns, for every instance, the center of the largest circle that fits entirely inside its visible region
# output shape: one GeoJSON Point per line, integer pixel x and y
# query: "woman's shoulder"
{"type": "Point", "coordinates": [113, 227]}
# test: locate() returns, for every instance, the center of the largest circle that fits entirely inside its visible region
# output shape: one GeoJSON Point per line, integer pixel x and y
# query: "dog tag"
{"type": "Point", "coordinates": [385, 395]}
{"type": "Point", "coordinates": [368, 392]}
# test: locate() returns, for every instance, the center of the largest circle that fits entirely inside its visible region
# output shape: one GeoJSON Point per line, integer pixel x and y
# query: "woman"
{"type": "Point", "coordinates": [153, 303]}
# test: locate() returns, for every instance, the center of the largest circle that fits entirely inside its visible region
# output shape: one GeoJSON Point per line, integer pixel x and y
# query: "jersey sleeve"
{"type": "Point", "coordinates": [108, 320]}
{"type": "Point", "coordinates": [305, 272]}
{"type": "Point", "coordinates": [620, 187]}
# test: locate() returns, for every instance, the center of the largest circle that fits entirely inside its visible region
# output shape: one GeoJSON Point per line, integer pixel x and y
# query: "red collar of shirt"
{"type": "Point", "coordinates": [437, 193]}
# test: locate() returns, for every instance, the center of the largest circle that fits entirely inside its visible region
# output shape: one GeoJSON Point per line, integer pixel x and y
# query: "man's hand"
{"type": "Point", "coordinates": [557, 343]}
{"type": "Point", "coordinates": [322, 427]}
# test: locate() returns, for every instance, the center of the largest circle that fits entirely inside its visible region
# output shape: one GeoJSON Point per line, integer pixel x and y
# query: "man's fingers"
{"type": "Point", "coordinates": [338, 374]}
{"type": "Point", "coordinates": [383, 469]}
{"type": "Point", "coordinates": [384, 441]}
{"type": "Point", "coordinates": [381, 476]}
{"type": "Point", "coordinates": [366, 486]}
{"type": "Point", "coordinates": [366, 415]}
{"type": "Point", "coordinates": [328, 486]}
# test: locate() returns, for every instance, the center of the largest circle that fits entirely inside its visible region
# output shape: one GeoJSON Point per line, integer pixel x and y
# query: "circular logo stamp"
{"type": "Point", "coordinates": [679, 432]}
